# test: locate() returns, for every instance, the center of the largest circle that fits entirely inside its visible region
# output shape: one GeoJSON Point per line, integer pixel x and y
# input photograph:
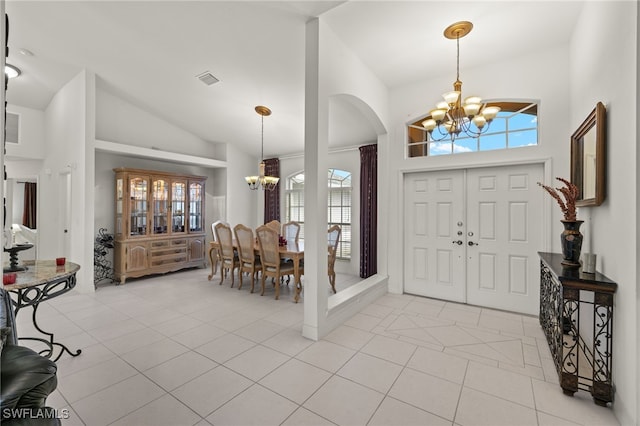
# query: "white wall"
{"type": "Point", "coordinates": [15, 202]}
{"type": "Point", "coordinates": [515, 78]}
{"type": "Point", "coordinates": [120, 121]}
{"type": "Point", "coordinates": [604, 67]}
{"type": "Point", "coordinates": [32, 138]}
{"type": "Point", "coordinates": [66, 120]}
{"type": "Point", "coordinates": [243, 205]}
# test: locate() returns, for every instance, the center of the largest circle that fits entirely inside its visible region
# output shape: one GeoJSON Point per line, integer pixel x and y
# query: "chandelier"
{"type": "Point", "coordinates": [261, 181]}
{"type": "Point", "coordinates": [451, 116]}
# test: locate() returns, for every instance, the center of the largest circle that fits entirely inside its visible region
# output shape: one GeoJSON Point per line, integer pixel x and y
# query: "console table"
{"type": "Point", "coordinates": [43, 280]}
{"type": "Point", "coordinates": [576, 315]}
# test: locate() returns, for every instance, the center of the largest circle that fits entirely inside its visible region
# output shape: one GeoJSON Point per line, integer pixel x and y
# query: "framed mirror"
{"type": "Point", "coordinates": [588, 158]}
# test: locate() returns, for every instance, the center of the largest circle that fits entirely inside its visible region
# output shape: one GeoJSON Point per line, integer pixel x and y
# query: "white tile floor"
{"type": "Point", "coordinates": [181, 350]}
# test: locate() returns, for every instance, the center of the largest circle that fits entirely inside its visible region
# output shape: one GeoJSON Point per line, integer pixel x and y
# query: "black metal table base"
{"type": "Point", "coordinates": [33, 296]}
{"type": "Point", "coordinates": [49, 341]}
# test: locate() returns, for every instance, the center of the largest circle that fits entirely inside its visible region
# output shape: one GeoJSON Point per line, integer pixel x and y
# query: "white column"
{"type": "Point", "coordinates": [315, 188]}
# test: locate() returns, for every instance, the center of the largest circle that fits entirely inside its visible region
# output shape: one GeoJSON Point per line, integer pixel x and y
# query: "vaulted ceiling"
{"type": "Point", "coordinates": [150, 52]}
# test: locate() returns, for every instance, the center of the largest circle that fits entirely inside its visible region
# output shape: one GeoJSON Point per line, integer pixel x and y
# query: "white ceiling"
{"type": "Point", "coordinates": [150, 52]}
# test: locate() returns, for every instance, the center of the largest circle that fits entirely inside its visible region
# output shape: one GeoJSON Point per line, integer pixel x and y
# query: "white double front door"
{"type": "Point", "coordinates": [472, 236]}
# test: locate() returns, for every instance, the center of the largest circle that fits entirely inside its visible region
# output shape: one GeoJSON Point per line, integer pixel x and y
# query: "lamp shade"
{"type": "Point", "coordinates": [490, 112]}
{"type": "Point", "coordinates": [451, 97]}
{"type": "Point", "coordinates": [473, 100]}
{"type": "Point", "coordinates": [438, 114]}
{"type": "Point", "coordinates": [479, 121]}
{"type": "Point", "coordinates": [429, 124]}
{"type": "Point", "coordinates": [471, 109]}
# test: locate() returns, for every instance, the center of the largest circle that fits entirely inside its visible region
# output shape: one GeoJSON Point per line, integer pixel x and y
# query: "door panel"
{"type": "Point", "coordinates": [433, 207]}
{"type": "Point", "coordinates": [503, 213]}
{"type": "Point", "coordinates": [472, 236]}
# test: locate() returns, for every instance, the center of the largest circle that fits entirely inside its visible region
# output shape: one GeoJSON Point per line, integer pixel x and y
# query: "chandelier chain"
{"type": "Point", "coordinates": [458, 57]}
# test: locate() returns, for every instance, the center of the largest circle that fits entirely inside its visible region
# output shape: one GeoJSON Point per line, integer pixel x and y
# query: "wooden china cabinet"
{"type": "Point", "coordinates": [159, 222]}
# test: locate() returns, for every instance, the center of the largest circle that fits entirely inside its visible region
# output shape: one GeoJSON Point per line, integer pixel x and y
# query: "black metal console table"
{"type": "Point", "coordinates": [573, 302]}
{"type": "Point", "coordinates": [43, 280]}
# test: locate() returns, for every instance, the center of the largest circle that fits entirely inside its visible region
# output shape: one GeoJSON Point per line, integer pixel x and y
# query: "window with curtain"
{"type": "Point", "coordinates": [338, 205]}
{"type": "Point", "coordinates": [515, 126]}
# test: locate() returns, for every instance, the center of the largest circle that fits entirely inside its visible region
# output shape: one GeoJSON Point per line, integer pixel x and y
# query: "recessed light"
{"type": "Point", "coordinates": [11, 71]}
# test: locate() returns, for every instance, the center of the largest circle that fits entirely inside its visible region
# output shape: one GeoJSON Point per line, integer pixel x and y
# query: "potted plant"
{"type": "Point", "coordinates": [571, 238]}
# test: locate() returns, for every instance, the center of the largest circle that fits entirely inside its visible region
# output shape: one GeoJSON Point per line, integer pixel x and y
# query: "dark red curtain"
{"type": "Point", "coordinates": [272, 198]}
{"type": "Point", "coordinates": [368, 210]}
{"type": "Point", "coordinates": [29, 213]}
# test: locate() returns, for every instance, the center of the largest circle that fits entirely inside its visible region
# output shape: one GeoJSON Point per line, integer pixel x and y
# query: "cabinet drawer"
{"type": "Point", "coordinates": [159, 244]}
{"type": "Point", "coordinates": [168, 260]}
{"type": "Point", "coordinates": [180, 242]}
{"type": "Point", "coordinates": [168, 251]}
{"type": "Point", "coordinates": [168, 256]}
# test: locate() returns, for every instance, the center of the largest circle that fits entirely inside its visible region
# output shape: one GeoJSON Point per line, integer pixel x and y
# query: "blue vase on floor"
{"type": "Point", "coordinates": [571, 243]}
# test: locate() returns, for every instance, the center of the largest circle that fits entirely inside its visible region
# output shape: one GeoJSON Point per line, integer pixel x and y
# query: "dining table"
{"type": "Point", "coordinates": [291, 250]}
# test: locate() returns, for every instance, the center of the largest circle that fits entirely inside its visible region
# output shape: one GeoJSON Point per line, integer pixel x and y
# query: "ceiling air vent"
{"type": "Point", "coordinates": [12, 127]}
{"type": "Point", "coordinates": [207, 78]}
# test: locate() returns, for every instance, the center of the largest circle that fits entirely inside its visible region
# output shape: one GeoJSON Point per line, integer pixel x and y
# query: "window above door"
{"type": "Point", "coordinates": [515, 126]}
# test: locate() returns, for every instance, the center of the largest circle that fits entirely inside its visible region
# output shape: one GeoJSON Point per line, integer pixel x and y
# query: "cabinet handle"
{"type": "Point", "coordinates": [471, 243]}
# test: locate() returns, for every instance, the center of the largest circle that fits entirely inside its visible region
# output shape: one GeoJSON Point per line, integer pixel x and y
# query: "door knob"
{"type": "Point", "coordinates": [471, 243]}
{"type": "Point", "coordinates": [459, 242]}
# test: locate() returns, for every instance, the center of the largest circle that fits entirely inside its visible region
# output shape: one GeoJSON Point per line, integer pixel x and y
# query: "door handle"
{"type": "Point", "coordinates": [471, 243]}
{"type": "Point", "coordinates": [459, 242]}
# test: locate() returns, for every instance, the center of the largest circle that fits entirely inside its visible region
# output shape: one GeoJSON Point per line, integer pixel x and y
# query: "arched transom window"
{"type": "Point", "coordinates": [516, 125]}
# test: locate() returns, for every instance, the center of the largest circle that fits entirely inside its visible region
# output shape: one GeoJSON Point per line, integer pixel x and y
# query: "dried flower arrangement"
{"type": "Point", "coordinates": [570, 193]}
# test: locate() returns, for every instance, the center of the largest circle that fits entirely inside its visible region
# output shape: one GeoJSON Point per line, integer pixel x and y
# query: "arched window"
{"type": "Point", "coordinates": [338, 205]}
{"type": "Point", "coordinates": [516, 125]}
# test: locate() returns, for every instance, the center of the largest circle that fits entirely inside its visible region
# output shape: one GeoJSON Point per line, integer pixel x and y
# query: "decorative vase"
{"type": "Point", "coordinates": [571, 242]}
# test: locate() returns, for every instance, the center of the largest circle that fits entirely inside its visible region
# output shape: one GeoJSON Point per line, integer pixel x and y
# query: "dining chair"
{"type": "Point", "coordinates": [217, 258]}
{"type": "Point", "coordinates": [229, 259]}
{"type": "Point", "coordinates": [275, 225]}
{"type": "Point", "coordinates": [333, 236]}
{"type": "Point", "coordinates": [249, 262]}
{"type": "Point", "coordinates": [291, 231]}
{"type": "Point", "coordinates": [272, 265]}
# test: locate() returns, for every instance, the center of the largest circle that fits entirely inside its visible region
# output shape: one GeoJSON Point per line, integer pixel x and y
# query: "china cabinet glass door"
{"type": "Point", "coordinates": [195, 207]}
{"type": "Point", "coordinates": [119, 206]}
{"type": "Point", "coordinates": [160, 199]}
{"type": "Point", "coordinates": [138, 191]}
{"type": "Point", "coordinates": [178, 206]}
